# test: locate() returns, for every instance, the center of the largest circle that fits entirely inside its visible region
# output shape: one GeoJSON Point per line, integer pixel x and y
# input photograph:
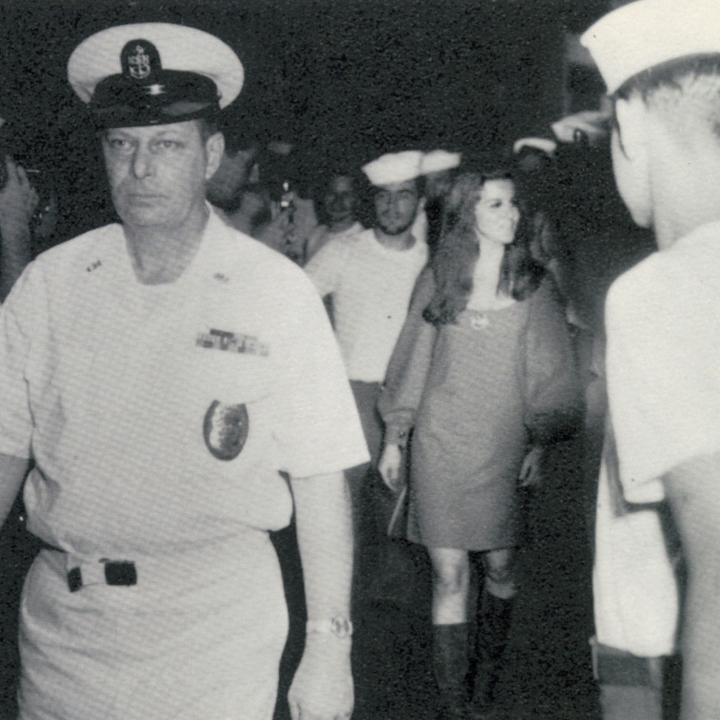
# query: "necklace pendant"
{"type": "Point", "coordinates": [479, 321]}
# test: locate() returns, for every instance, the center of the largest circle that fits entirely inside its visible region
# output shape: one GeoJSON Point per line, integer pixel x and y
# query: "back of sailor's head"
{"type": "Point", "coordinates": [664, 51]}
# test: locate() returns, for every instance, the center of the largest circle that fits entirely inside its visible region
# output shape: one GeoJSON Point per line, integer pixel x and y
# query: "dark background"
{"type": "Point", "coordinates": [348, 78]}
{"type": "Point", "coordinates": [352, 78]}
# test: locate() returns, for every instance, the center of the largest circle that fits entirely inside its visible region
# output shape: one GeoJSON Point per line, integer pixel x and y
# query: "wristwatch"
{"type": "Point", "coordinates": [339, 626]}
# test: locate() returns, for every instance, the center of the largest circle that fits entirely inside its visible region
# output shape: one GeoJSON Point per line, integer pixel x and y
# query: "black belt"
{"type": "Point", "coordinates": [115, 572]}
{"type": "Point", "coordinates": [119, 573]}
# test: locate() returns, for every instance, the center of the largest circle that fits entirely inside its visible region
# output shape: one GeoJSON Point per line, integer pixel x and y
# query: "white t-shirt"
{"type": "Point", "coordinates": [371, 287]}
{"type": "Point", "coordinates": [158, 416]}
{"type": "Point", "coordinates": [663, 361]}
{"type": "Point", "coordinates": [322, 235]}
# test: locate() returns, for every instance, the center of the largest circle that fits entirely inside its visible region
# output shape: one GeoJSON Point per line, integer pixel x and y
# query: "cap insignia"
{"type": "Point", "coordinates": [140, 60]}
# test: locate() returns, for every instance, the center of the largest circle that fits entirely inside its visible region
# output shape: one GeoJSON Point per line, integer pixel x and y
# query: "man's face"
{"type": "Point", "coordinates": [231, 177]}
{"type": "Point", "coordinates": [157, 173]}
{"type": "Point", "coordinates": [340, 198]}
{"type": "Point", "coordinates": [395, 206]}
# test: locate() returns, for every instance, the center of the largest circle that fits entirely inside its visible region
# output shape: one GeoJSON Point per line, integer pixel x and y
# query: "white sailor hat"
{"type": "Point", "coordinates": [393, 167]}
{"type": "Point", "coordinates": [646, 33]}
{"type": "Point", "coordinates": [545, 145]}
{"type": "Point", "coordinates": [439, 160]}
{"type": "Point", "coordinates": [153, 73]}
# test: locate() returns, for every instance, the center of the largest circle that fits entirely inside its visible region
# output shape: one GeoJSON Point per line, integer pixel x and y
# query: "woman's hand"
{"type": "Point", "coordinates": [530, 470]}
{"type": "Point", "coordinates": [390, 466]}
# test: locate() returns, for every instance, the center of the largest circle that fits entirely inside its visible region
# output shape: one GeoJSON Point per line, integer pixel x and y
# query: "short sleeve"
{"type": "Point", "coordinates": [552, 386]}
{"type": "Point", "coordinates": [663, 377]}
{"type": "Point", "coordinates": [325, 267]}
{"type": "Point", "coordinates": [318, 428]}
{"type": "Point", "coordinates": [21, 330]}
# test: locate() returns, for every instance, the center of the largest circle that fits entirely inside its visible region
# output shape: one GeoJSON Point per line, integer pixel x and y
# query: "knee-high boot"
{"type": "Point", "coordinates": [493, 628]}
{"type": "Point", "coordinates": [450, 664]}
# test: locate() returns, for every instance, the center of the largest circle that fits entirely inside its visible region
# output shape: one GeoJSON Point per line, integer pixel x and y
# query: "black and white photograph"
{"type": "Point", "coordinates": [359, 359]}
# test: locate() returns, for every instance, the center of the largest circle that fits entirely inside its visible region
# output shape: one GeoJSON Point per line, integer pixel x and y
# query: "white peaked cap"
{"type": "Point", "coordinates": [180, 48]}
{"type": "Point", "coordinates": [646, 33]}
{"type": "Point", "coordinates": [394, 167]}
{"type": "Point", "coordinates": [439, 160]}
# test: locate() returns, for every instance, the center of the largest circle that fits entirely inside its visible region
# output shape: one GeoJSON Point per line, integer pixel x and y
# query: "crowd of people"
{"type": "Point", "coordinates": [174, 388]}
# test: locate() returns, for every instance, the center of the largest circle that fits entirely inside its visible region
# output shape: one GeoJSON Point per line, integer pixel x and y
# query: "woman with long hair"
{"type": "Point", "coordinates": [483, 375]}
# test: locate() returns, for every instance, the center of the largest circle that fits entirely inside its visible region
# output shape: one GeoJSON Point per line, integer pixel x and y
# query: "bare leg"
{"type": "Point", "coordinates": [451, 577]}
{"type": "Point", "coordinates": [500, 572]}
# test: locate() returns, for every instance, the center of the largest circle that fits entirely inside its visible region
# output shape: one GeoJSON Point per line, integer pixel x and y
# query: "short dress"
{"type": "Point", "coordinates": [478, 392]}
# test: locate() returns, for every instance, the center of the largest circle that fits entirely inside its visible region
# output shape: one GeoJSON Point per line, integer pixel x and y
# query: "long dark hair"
{"type": "Point", "coordinates": [459, 249]}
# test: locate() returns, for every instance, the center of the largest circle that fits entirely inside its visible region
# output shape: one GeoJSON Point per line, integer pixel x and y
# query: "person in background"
{"type": "Point", "coordinates": [230, 188]}
{"type": "Point", "coordinates": [369, 278]}
{"type": "Point", "coordinates": [290, 219]}
{"type": "Point", "coordinates": [438, 168]}
{"type": "Point", "coordinates": [661, 63]}
{"type": "Point", "coordinates": [156, 382]}
{"type": "Point", "coordinates": [18, 204]}
{"type": "Point", "coordinates": [534, 158]}
{"type": "Point", "coordinates": [337, 204]}
{"type": "Point", "coordinates": [483, 376]}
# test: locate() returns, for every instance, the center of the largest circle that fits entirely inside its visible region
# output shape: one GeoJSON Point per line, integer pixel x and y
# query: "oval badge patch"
{"type": "Point", "coordinates": [225, 429]}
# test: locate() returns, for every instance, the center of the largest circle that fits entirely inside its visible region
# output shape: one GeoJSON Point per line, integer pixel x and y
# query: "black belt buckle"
{"type": "Point", "coordinates": [120, 573]}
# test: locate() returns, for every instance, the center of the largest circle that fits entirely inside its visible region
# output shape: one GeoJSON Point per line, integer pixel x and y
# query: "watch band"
{"type": "Point", "coordinates": [339, 626]}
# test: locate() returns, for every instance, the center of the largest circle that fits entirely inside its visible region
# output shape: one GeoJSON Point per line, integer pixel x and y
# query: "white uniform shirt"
{"type": "Point", "coordinates": [159, 416]}
{"type": "Point", "coordinates": [371, 287]}
{"type": "Point", "coordinates": [635, 590]}
{"type": "Point", "coordinates": [663, 361]}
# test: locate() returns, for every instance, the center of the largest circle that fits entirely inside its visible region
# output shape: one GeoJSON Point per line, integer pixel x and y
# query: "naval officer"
{"type": "Point", "coordinates": [158, 375]}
